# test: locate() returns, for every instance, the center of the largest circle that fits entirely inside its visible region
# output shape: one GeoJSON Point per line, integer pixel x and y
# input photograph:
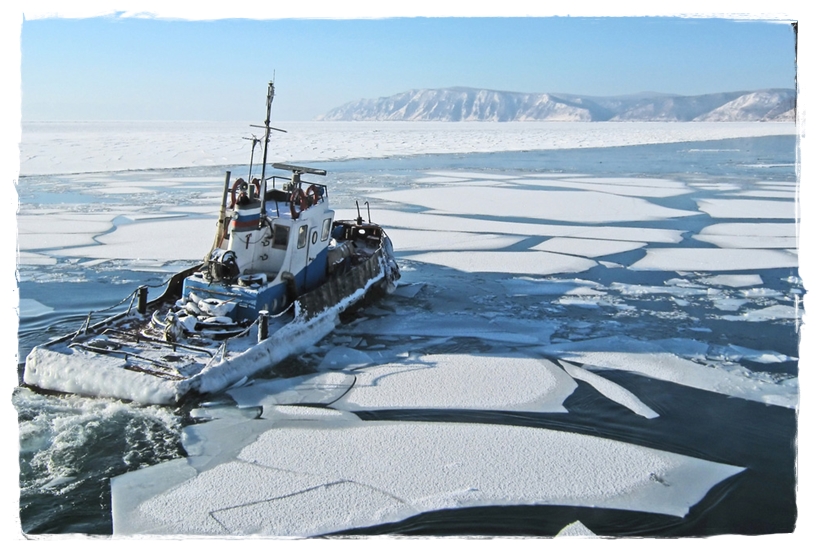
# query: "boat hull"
{"type": "Point", "coordinates": [57, 367]}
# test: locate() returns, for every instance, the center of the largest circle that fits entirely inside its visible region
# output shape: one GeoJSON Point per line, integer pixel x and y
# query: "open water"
{"type": "Point", "coordinates": [71, 446]}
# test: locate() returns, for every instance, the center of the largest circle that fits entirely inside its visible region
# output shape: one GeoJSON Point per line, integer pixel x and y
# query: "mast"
{"type": "Point", "coordinates": [270, 94]}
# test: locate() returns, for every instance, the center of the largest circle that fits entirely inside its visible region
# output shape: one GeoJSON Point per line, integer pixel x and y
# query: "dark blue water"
{"type": "Point", "coordinates": [72, 446]}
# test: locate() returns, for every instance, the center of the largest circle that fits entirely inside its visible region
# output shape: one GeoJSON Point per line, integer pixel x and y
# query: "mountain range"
{"type": "Point", "coordinates": [470, 104]}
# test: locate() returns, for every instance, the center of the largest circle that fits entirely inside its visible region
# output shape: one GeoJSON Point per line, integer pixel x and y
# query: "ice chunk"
{"type": "Point", "coordinates": [590, 248]}
{"type": "Point", "coordinates": [571, 206]}
{"type": "Point", "coordinates": [634, 187]}
{"type": "Point", "coordinates": [714, 259]}
{"type": "Point", "coordinates": [612, 391]}
{"type": "Point", "coordinates": [576, 529]}
{"type": "Point", "coordinates": [429, 240]}
{"type": "Point", "coordinates": [750, 235]}
{"type": "Point", "coordinates": [733, 352]}
{"type": "Point", "coordinates": [61, 230]}
{"type": "Point", "coordinates": [512, 383]}
{"type": "Point", "coordinates": [178, 239]}
{"type": "Point", "coordinates": [733, 280]}
{"type": "Point", "coordinates": [748, 208]}
{"type": "Point", "coordinates": [298, 480]}
{"type": "Point", "coordinates": [528, 286]}
{"type": "Point", "coordinates": [772, 313]}
{"type": "Point", "coordinates": [653, 360]}
{"type": "Point", "coordinates": [309, 389]}
{"type": "Point", "coordinates": [342, 358]}
{"type": "Point", "coordinates": [449, 223]}
{"type": "Point", "coordinates": [728, 304]}
{"type": "Point", "coordinates": [529, 262]}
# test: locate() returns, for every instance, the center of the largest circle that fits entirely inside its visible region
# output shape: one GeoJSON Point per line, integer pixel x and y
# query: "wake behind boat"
{"type": "Point", "coordinates": [279, 273]}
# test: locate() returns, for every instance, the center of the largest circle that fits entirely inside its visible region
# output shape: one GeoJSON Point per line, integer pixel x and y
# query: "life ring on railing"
{"type": "Point", "coordinates": [239, 191]}
{"type": "Point", "coordinates": [314, 194]}
{"type": "Point", "coordinates": [298, 198]}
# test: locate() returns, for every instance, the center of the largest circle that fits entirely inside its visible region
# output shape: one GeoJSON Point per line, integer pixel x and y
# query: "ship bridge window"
{"type": "Point", "coordinates": [281, 239]}
{"type": "Point", "coordinates": [303, 234]}
{"type": "Point", "coordinates": [326, 228]}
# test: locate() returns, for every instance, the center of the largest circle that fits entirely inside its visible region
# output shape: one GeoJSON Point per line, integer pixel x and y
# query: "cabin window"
{"type": "Point", "coordinates": [303, 234]}
{"type": "Point", "coordinates": [326, 229]}
{"type": "Point", "coordinates": [281, 239]}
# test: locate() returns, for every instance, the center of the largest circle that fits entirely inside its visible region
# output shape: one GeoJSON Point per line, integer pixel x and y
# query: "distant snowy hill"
{"type": "Point", "coordinates": [469, 104]}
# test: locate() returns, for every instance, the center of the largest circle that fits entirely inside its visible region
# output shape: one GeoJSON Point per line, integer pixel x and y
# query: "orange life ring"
{"type": "Point", "coordinates": [313, 193]}
{"type": "Point", "coordinates": [298, 197]}
{"type": "Point", "coordinates": [239, 185]}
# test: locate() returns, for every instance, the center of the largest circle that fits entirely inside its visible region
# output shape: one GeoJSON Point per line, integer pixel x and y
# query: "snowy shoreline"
{"type": "Point", "coordinates": [81, 147]}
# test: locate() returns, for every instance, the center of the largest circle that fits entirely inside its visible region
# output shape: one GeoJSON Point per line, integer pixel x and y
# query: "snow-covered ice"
{"type": "Point", "coordinates": [366, 473]}
{"type": "Point", "coordinates": [611, 390]}
{"type": "Point", "coordinates": [572, 206]}
{"type": "Point", "coordinates": [74, 147]}
{"type": "Point", "coordinates": [711, 259]}
{"type": "Point", "coordinates": [653, 360]}
{"type": "Point", "coordinates": [446, 381]}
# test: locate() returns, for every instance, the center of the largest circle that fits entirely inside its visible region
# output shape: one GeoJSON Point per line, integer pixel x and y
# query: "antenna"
{"type": "Point", "coordinates": [255, 141]}
{"type": "Point", "coordinates": [270, 94]}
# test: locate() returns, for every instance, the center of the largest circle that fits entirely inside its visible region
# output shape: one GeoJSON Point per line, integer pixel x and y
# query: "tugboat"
{"type": "Point", "coordinates": [280, 271]}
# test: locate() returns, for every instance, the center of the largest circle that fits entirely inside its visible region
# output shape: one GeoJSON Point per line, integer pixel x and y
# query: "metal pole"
{"type": "Point", "coordinates": [221, 216]}
{"type": "Point", "coordinates": [270, 94]}
{"type": "Point", "coordinates": [141, 305]}
{"type": "Point", "coordinates": [263, 325]}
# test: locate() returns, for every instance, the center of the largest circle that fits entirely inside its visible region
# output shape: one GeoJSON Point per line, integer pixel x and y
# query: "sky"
{"type": "Point", "coordinates": [165, 68]}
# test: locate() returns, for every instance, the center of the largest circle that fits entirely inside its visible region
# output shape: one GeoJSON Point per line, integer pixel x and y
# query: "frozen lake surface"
{"type": "Point", "coordinates": [592, 339]}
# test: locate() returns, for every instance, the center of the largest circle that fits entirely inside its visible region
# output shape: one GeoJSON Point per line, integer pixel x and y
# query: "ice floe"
{"type": "Point", "coordinates": [590, 248]}
{"type": "Point", "coordinates": [771, 313]}
{"type": "Point", "coordinates": [571, 206]}
{"type": "Point", "coordinates": [529, 262]}
{"type": "Point", "coordinates": [177, 239]}
{"type": "Point", "coordinates": [528, 286]}
{"type": "Point", "coordinates": [733, 280]}
{"type": "Point", "coordinates": [576, 529]}
{"type": "Point", "coordinates": [445, 222]}
{"type": "Point", "coordinates": [292, 479]}
{"type": "Point", "coordinates": [45, 230]}
{"type": "Point", "coordinates": [714, 259]}
{"type": "Point", "coordinates": [413, 241]}
{"type": "Point", "coordinates": [611, 390]}
{"type": "Point", "coordinates": [653, 360]}
{"type": "Point", "coordinates": [748, 208]}
{"type": "Point", "coordinates": [750, 235]}
{"type": "Point", "coordinates": [510, 383]}
{"type": "Point", "coordinates": [635, 187]}
{"type": "Point", "coordinates": [320, 389]}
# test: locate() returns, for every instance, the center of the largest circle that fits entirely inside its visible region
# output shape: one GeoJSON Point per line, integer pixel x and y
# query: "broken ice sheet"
{"type": "Point", "coordinates": [313, 389]}
{"type": "Point", "coordinates": [653, 360]}
{"type": "Point", "coordinates": [528, 262]}
{"type": "Point", "coordinates": [714, 259]}
{"type": "Point", "coordinates": [300, 481]}
{"type": "Point", "coordinates": [612, 391]}
{"type": "Point", "coordinates": [570, 206]}
{"type": "Point", "coordinates": [510, 383]}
